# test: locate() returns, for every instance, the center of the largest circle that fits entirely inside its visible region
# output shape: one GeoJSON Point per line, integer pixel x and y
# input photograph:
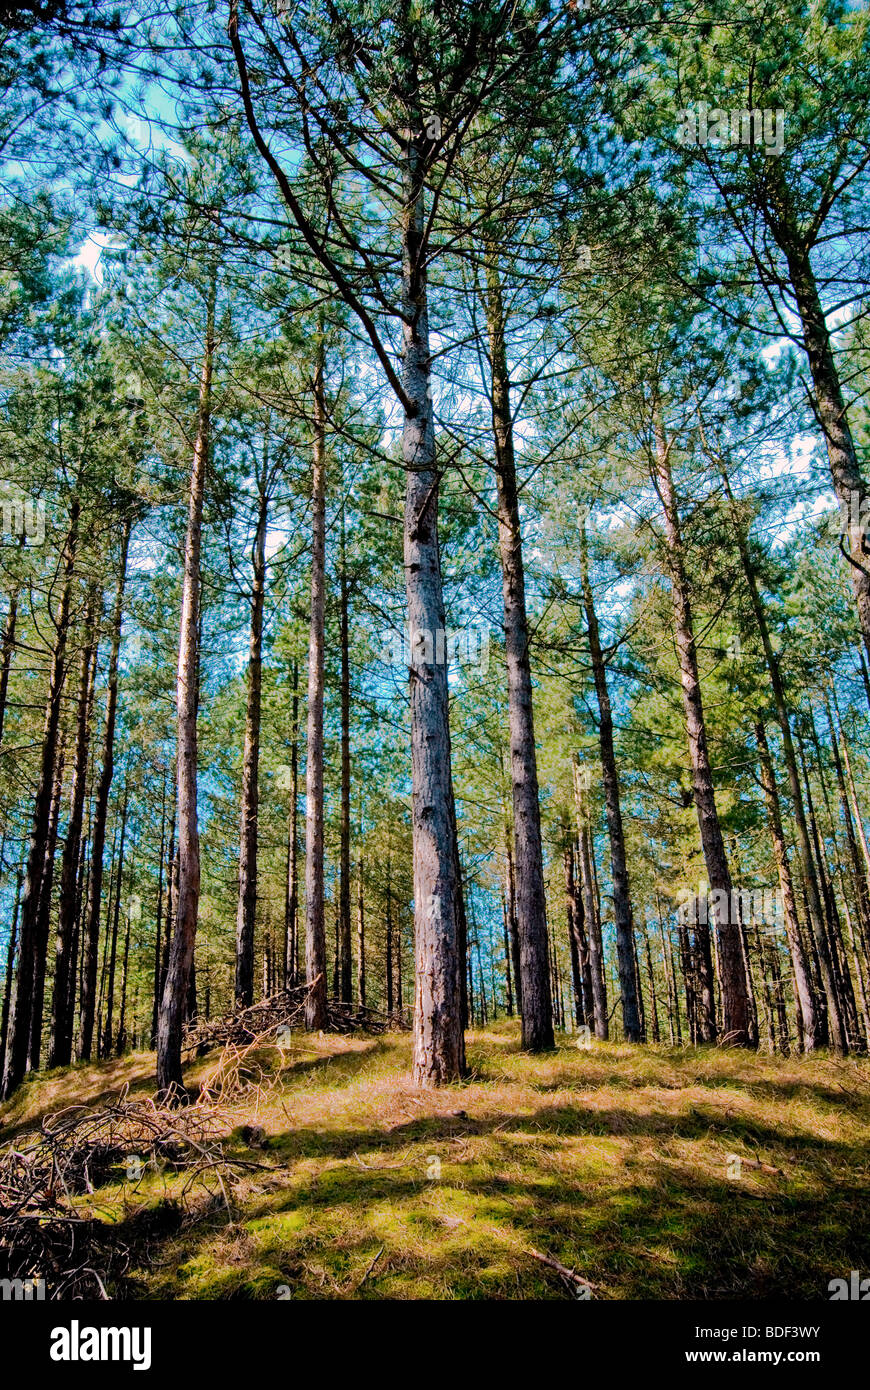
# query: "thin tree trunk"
{"type": "Point", "coordinates": [43, 913]}
{"type": "Point", "coordinates": [668, 962]}
{"type": "Point", "coordinates": [510, 884]}
{"type": "Point", "coordinates": [807, 1020]}
{"type": "Point", "coordinates": [106, 1049]}
{"type": "Point", "coordinates": [839, 967]}
{"type": "Point", "coordinates": [571, 911]}
{"type": "Point", "coordinates": [10, 969]}
{"type": "Point", "coordinates": [246, 915]}
{"type": "Point", "coordinates": [531, 905]}
{"type": "Point", "coordinates": [653, 1003]}
{"type": "Point", "coordinates": [60, 1045]}
{"type": "Point", "coordinates": [830, 406]}
{"type": "Point", "coordinates": [170, 1024]}
{"type": "Point", "coordinates": [158, 930]}
{"type": "Point", "coordinates": [737, 1021]}
{"type": "Point", "coordinates": [88, 996]}
{"type": "Point", "coordinates": [360, 935]}
{"type": "Point", "coordinates": [590, 913]}
{"type": "Point", "coordinates": [509, 996]}
{"type": "Point", "coordinates": [814, 904]}
{"type": "Point", "coordinates": [389, 942]}
{"type": "Point", "coordinates": [315, 929]}
{"type": "Point", "coordinates": [121, 1042]}
{"type": "Point", "coordinates": [21, 1003]}
{"type": "Point", "coordinates": [7, 647]}
{"type": "Point", "coordinates": [291, 901]}
{"type": "Point", "coordinates": [345, 990]}
{"type": "Point", "coordinates": [631, 1010]}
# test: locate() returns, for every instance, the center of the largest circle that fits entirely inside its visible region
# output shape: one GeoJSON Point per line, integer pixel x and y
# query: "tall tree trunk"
{"type": "Point", "coordinates": [807, 1021]}
{"type": "Point", "coordinates": [859, 878]}
{"type": "Point", "coordinates": [10, 969]}
{"type": "Point", "coordinates": [845, 999]}
{"type": "Point", "coordinates": [246, 915]}
{"type": "Point", "coordinates": [653, 1002]}
{"type": "Point", "coordinates": [670, 979]}
{"type": "Point", "coordinates": [345, 984]}
{"type": "Point", "coordinates": [509, 994]}
{"type": "Point", "coordinates": [21, 1003]}
{"type": "Point", "coordinates": [631, 1011]}
{"type": "Point", "coordinates": [43, 912]}
{"type": "Point", "coordinates": [737, 1019]}
{"type": "Point", "coordinates": [88, 997]}
{"type": "Point", "coordinates": [400, 998]}
{"type": "Point", "coordinates": [7, 647]}
{"type": "Point", "coordinates": [814, 904]}
{"type": "Point", "coordinates": [291, 901]}
{"type": "Point", "coordinates": [830, 406]}
{"type": "Point", "coordinates": [60, 1046]}
{"type": "Point", "coordinates": [121, 1042]}
{"type": "Point", "coordinates": [439, 1043]}
{"type": "Point", "coordinates": [572, 907]}
{"type": "Point", "coordinates": [170, 1023]}
{"type": "Point", "coordinates": [844, 974]}
{"type": "Point", "coordinates": [158, 930]}
{"type": "Point", "coordinates": [510, 887]}
{"type": "Point", "coordinates": [106, 1048]}
{"type": "Point", "coordinates": [388, 961]}
{"type": "Point", "coordinates": [531, 903]}
{"type": "Point", "coordinates": [315, 928]}
{"type": "Point", "coordinates": [360, 935]}
{"type": "Point", "coordinates": [594, 941]}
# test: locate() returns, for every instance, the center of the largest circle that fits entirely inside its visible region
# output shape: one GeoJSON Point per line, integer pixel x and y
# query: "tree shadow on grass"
{"type": "Point", "coordinates": [637, 1224]}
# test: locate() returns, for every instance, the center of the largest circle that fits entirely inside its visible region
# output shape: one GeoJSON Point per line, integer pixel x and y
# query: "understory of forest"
{"type": "Point", "coordinates": [602, 1171]}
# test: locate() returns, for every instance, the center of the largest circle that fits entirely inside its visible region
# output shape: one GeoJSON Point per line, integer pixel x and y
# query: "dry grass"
{"type": "Point", "coordinates": [614, 1161]}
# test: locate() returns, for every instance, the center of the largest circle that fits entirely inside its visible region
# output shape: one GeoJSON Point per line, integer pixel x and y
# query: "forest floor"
{"type": "Point", "coordinates": [616, 1161]}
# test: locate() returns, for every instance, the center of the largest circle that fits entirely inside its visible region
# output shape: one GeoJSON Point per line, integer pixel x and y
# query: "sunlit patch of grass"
{"type": "Point", "coordinates": [613, 1160]}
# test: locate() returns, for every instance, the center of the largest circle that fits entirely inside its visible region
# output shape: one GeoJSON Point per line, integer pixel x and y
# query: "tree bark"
{"type": "Point", "coordinates": [10, 970]}
{"type": "Point", "coordinates": [631, 1012]}
{"type": "Point", "coordinates": [291, 901]}
{"type": "Point", "coordinates": [807, 1021]}
{"type": "Point", "coordinates": [595, 945]}
{"type": "Point", "coordinates": [246, 915]}
{"type": "Point", "coordinates": [531, 903]}
{"type": "Point", "coordinates": [345, 988]}
{"type": "Point", "coordinates": [439, 1043]}
{"type": "Point", "coordinates": [21, 1003]}
{"type": "Point", "coordinates": [106, 1047]}
{"type": "Point", "coordinates": [88, 995]}
{"type": "Point", "coordinates": [360, 935]}
{"type": "Point", "coordinates": [736, 1011]}
{"type": "Point", "coordinates": [7, 647]}
{"type": "Point", "coordinates": [60, 1046]}
{"type": "Point", "coordinates": [43, 911]}
{"type": "Point", "coordinates": [315, 929]}
{"type": "Point", "coordinates": [158, 930]}
{"type": "Point", "coordinates": [830, 406]}
{"type": "Point", "coordinates": [170, 1024]}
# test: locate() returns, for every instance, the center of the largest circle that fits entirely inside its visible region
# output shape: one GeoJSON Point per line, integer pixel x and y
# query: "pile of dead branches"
{"type": "Point", "coordinates": [47, 1229]}
{"type": "Point", "coordinates": [286, 1009]}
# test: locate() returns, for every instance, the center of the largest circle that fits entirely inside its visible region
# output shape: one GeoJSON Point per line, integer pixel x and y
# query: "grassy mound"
{"type": "Point", "coordinates": [653, 1172]}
